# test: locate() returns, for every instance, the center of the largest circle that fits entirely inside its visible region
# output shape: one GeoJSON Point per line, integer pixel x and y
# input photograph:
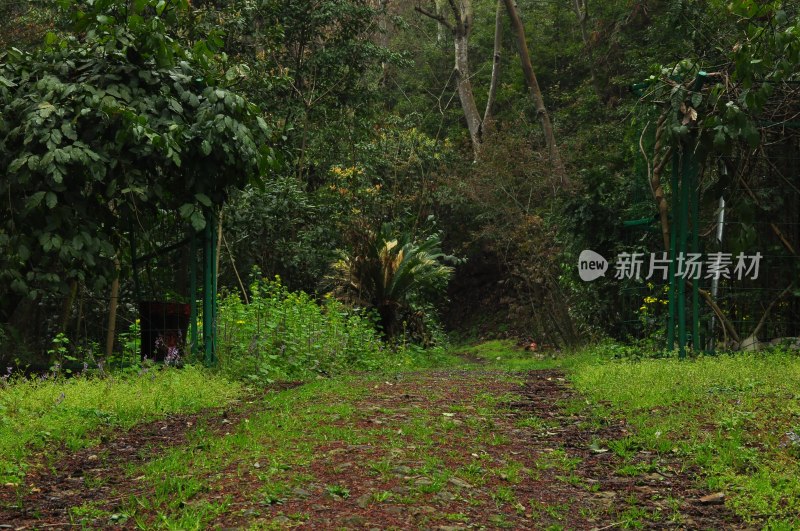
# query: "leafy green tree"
{"type": "Point", "coordinates": [102, 129]}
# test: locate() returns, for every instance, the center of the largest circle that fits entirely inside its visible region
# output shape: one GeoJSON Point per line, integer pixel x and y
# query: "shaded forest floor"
{"type": "Point", "coordinates": [470, 447]}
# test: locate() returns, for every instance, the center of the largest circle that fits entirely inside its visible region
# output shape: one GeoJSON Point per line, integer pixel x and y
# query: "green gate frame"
{"type": "Point", "coordinates": [207, 240]}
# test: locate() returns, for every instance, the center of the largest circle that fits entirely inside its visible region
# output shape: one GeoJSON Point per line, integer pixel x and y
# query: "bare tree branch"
{"type": "Point", "coordinates": [764, 317]}
{"type": "Point", "coordinates": [438, 18]}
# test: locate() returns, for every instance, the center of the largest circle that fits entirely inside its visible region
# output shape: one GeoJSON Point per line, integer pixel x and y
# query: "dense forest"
{"type": "Point", "coordinates": [399, 264]}
{"type": "Point", "coordinates": [439, 165]}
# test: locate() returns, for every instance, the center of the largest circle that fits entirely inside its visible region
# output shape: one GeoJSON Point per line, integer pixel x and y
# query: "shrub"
{"type": "Point", "coordinates": [287, 335]}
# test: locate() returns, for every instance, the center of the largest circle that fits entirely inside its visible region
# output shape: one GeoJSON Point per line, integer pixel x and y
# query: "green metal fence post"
{"type": "Point", "coordinates": [673, 242]}
{"type": "Point", "coordinates": [214, 247]}
{"type": "Point", "coordinates": [682, 241]}
{"type": "Point", "coordinates": [694, 193]}
{"type": "Point", "coordinates": [692, 168]}
{"type": "Point", "coordinates": [208, 288]}
{"type": "Point", "coordinates": [195, 340]}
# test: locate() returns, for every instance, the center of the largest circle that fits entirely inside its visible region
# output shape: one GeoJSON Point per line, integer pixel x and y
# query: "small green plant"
{"type": "Point", "coordinates": [382, 496]}
{"type": "Point", "coordinates": [59, 354]}
{"type": "Point", "coordinates": [502, 495]}
{"type": "Point", "coordinates": [338, 491]}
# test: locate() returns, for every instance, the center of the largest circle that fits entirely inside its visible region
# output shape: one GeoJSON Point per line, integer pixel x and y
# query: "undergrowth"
{"type": "Point", "coordinates": [284, 335]}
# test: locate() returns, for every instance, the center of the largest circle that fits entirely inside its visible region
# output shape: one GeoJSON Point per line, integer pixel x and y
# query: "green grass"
{"type": "Point", "coordinates": [274, 445]}
{"type": "Point", "coordinates": [38, 414]}
{"type": "Point", "coordinates": [733, 415]}
{"type": "Point", "coordinates": [728, 415]}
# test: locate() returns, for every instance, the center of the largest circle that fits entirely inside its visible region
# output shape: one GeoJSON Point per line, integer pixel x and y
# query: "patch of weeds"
{"type": "Point", "coordinates": [447, 424]}
{"type": "Point", "coordinates": [455, 517]}
{"type": "Point", "coordinates": [93, 482]}
{"type": "Point", "coordinates": [274, 494]}
{"type": "Point", "coordinates": [592, 487]}
{"type": "Point", "coordinates": [382, 496]}
{"type": "Point", "coordinates": [572, 406]}
{"type": "Point", "coordinates": [555, 511]}
{"type": "Point", "coordinates": [197, 515]}
{"type": "Point", "coordinates": [338, 491]}
{"type": "Point", "coordinates": [473, 473]}
{"type": "Point", "coordinates": [503, 495]}
{"type": "Point", "coordinates": [406, 499]}
{"type": "Point", "coordinates": [588, 513]}
{"type": "Point", "coordinates": [557, 459]}
{"type": "Point", "coordinates": [473, 501]}
{"type": "Point", "coordinates": [510, 471]}
{"type": "Point", "coordinates": [634, 518]}
{"type": "Point", "coordinates": [674, 505]}
{"type": "Point", "coordinates": [87, 514]}
{"type": "Point", "coordinates": [382, 468]}
{"type": "Point", "coordinates": [173, 490]}
{"type": "Point", "coordinates": [496, 439]}
{"type": "Point", "coordinates": [500, 520]}
{"type": "Point", "coordinates": [501, 401]}
{"type": "Point", "coordinates": [533, 422]}
{"type": "Point", "coordinates": [626, 447]}
{"type": "Point", "coordinates": [481, 424]}
{"type": "Point", "coordinates": [433, 485]}
{"type": "Point", "coordinates": [573, 479]}
{"type": "Point", "coordinates": [299, 517]}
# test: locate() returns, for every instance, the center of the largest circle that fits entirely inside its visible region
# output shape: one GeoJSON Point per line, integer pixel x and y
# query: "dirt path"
{"type": "Point", "coordinates": [448, 449]}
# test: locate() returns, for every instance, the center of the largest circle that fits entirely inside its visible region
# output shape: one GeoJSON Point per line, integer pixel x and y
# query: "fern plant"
{"type": "Point", "coordinates": [393, 273]}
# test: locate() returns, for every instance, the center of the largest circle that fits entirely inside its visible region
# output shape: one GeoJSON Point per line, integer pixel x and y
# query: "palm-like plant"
{"type": "Point", "coordinates": [393, 273]}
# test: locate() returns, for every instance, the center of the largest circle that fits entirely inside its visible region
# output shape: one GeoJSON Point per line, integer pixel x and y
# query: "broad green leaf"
{"type": "Point", "coordinates": [186, 210]}
{"type": "Point", "coordinates": [203, 199]}
{"type": "Point", "coordinates": [35, 200]}
{"type": "Point", "coordinates": [17, 163]}
{"type": "Point", "coordinates": [198, 220]}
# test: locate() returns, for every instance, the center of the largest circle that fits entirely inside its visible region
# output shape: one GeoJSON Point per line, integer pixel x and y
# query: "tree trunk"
{"type": "Point", "coordinates": [465, 94]}
{"type": "Point", "coordinates": [488, 117]}
{"type": "Point", "coordinates": [582, 13]}
{"type": "Point", "coordinates": [660, 158]}
{"type": "Point", "coordinates": [556, 164]}
{"type": "Point", "coordinates": [112, 310]}
{"type": "Point", "coordinates": [69, 302]}
{"type": "Point", "coordinates": [461, 27]}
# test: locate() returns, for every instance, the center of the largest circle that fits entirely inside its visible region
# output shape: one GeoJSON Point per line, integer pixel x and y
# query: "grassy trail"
{"type": "Point", "coordinates": [465, 446]}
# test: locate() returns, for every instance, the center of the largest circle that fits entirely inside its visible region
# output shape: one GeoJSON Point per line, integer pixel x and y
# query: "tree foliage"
{"type": "Point", "coordinates": [108, 126]}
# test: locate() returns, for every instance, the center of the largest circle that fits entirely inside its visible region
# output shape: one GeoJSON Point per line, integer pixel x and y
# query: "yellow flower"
{"type": "Point", "coordinates": [240, 322]}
